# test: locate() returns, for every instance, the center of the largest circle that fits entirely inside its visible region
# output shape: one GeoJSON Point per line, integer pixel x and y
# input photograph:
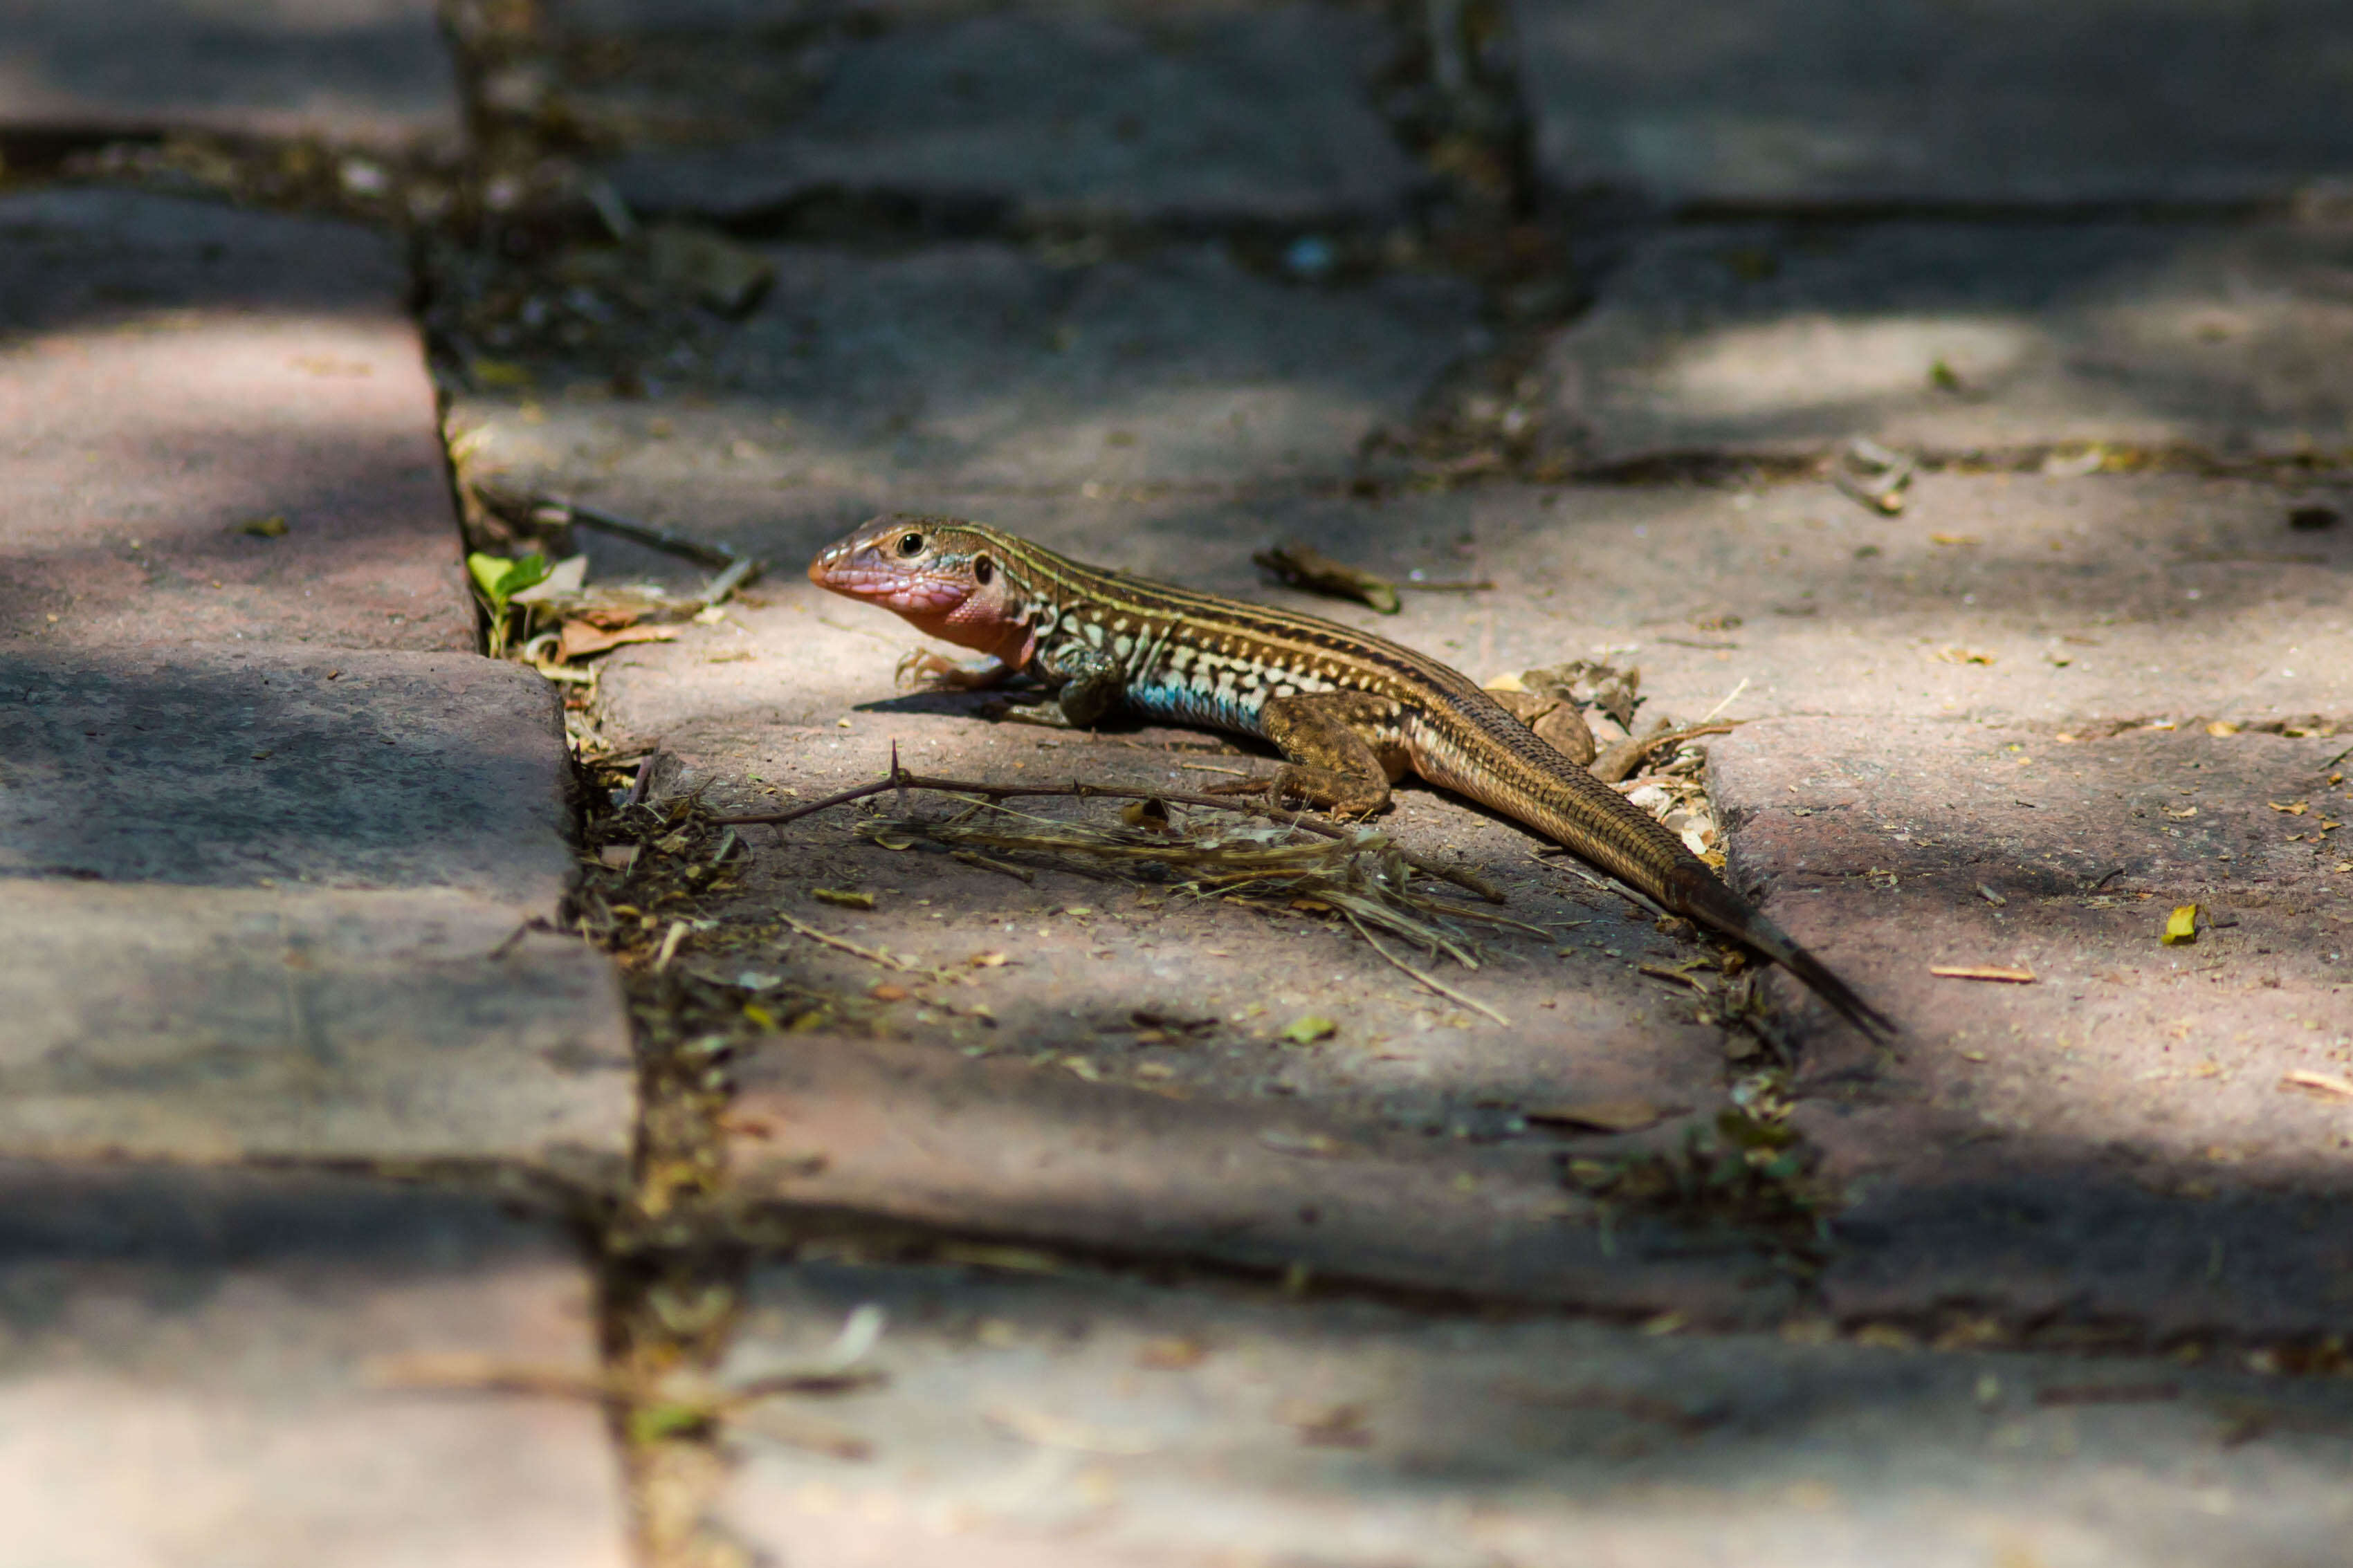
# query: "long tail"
{"type": "Point", "coordinates": [1692, 892]}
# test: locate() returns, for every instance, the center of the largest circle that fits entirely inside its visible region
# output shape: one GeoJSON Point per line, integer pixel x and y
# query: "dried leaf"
{"type": "Point", "coordinates": [1052, 1431]}
{"type": "Point", "coordinates": [842, 897]}
{"type": "Point", "coordinates": [1604, 1115]}
{"type": "Point", "coordinates": [270, 527]}
{"type": "Point", "coordinates": [1982, 972]}
{"type": "Point", "coordinates": [580, 640]}
{"type": "Point", "coordinates": [2181, 926]}
{"type": "Point", "coordinates": [1339, 1426]}
{"type": "Point", "coordinates": [2296, 808]}
{"type": "Point", "coordinates": [2326, 1085]}
{"type": "Point", "coordinates": [2221, 727]}
{"type": "Point", "coordinates": [1308, 1029]}
{"type": "Point", "coordinates": [1303, 567]}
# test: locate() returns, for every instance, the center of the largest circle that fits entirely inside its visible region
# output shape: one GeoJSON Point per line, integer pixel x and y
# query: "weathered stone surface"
{"type": "Point", "coordinates": [1827, 100]}
{"type": "Point", "coordinates": [201, 1367]}
{"type": "Point", "coordinates": [171, 372]}
{"type": "Point", "coordinates": [987, 365]}
{"type": "Point", "coordinates": [372, 72]}
{"type": "Point", "coordinates": [1199, 113]}
{"type": "Point", "coordinates": [244, 766]}
{"type": "Point", "coordinates": [1077, 1420]}
{"type": "Point", "coordinates": [1957, 338]}
{"type": "Point", "coordinates": [1026, 1148]}
{"type": "Point", "coordinates": [219, 1024]}
{"type": "Point", "coordinates": [2120, 1137]}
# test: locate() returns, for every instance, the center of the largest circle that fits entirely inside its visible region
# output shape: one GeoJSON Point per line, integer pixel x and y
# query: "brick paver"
{"type": "Point", "coordinates": [1194, 114]}
{"type": "Point", "coordinates": [226, 1366]}
{"type": "Point", "coordinates": [1077, 1420]}
{"type": "Point", "coordinates": [368, 72]}
{"type": "Point", "coordinates": [1953, 338]}
{"type": "Point", "coordinates": [2123, 101]}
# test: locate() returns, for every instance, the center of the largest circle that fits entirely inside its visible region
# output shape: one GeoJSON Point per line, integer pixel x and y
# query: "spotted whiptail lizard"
{"type": "Point", "coordinates": [1351, 713]}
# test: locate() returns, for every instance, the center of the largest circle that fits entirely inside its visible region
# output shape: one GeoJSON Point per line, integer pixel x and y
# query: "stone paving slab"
{"type": "Point", "coordinates": [366, 72]}
{"type": "Point", "coordinates": [1193, 114]}
{"type": "Point", "coordinates": [2120, 1136]}
{"type": "Point", "coordinates": [1028, 1150]}
{"type": "Point", "coordinates": [245, 766]}
{"type": "Point", "coordinates": [173, 374]}
{"type": "Point", "coordinates": [1076, 1419]}
{"type": "Point", "coordinates": [1953, 338]}
{"type": "Point", "coordinates": [989, 365]}
{"type": "Point", "coordinates": [203, 1367]}
{"type": "Point", "coordinates": [1807, 101]}
{"type": "Point", "coordinates": [215, 1024]}
{"type": "Point", "coordinates": [265, 900]}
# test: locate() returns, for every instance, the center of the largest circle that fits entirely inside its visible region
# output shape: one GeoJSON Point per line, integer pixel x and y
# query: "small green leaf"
{"type": "Point", "coordinates": [1310, 1027]}
{"type": "Point", "coordinates": [501, 579]}
{"type": "Point", "coordinates": [652, 1423]}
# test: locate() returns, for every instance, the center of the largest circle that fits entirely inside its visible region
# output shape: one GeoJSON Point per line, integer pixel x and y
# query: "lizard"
{"type": "Point", "coordinates": [1350, 713]}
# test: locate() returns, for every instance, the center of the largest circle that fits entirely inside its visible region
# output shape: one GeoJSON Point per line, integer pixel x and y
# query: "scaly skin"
{"type": "Point", "coordinates": [1351, 713]}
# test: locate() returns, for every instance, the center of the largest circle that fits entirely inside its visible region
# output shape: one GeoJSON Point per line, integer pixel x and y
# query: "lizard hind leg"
{"type": "Point", "coordinates": [1341, 749]}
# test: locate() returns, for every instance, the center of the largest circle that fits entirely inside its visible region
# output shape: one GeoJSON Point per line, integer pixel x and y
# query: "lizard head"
{"type": "Point", "coordinates": [944, 576]}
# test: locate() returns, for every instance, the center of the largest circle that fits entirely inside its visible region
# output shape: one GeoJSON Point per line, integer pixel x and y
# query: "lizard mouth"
{"type": "Point", "coordinates": [862, 571]}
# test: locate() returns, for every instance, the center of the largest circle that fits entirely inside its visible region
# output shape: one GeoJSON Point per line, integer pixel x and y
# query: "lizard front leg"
{"type": "Point", "coordinates": [1088, 684]}
{"type": "Point", "coordinates": [1341, 751]}
{"type": "Point", "coordinates": [924, 670]}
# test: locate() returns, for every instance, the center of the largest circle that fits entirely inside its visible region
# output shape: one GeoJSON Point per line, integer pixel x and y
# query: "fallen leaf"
{"type": "Point", "coordinates": [1012, 1260]}
{"type": "Point", "coordinates": [2326, 1085]}
{"type": "Point", "coordinates": [270, 527]}
{"type": "Point", "coordinates": [1302, 567]}
{"type": "Point", "coordinates": [582, 640]}
{"type": "Point", "coordinates": [1990, 896]}
{"type": "Point", "coordinates": [1982, 972]}
{"type": "Point", "coordinates": [1308, 1029]}
{"type": "Point", "coordinates": [1313, 1145]}
{"type": "Point", "coordinates": [1338, 1426]}
{"type": "Point", "coordinates": [2221, 727]}
{"type": "Point", "coordinates": [1171, 1355]}
{"type": "Point", "coordinates": [1050, 1431]}
{"type": "Point", "coordinates": [843, 897]}
{"type": "Point", "coordinates": [1955, 538]}
{"type": "Point", "coordinates": [1955, 655]}
{"type": "Point", "coordinates": [1603, 1115]}
{"type": "Point", "coordinates": [2108, 1394]}
{"type": "Point", "coordinates": [986, 960]}
{"type": "Point", "coordinates": [2181, 926]}
{"type": "Point", "coordinates": [2296, 809]}
{"type": "Point", "coordinates": [2184, 814]}
{"type": "Point", "coordinates": [485, 371]}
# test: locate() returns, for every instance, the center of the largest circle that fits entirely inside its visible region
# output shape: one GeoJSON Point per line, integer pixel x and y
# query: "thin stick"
{"type": "Point", "coordinates": [1429, 980]}
{"type": "Point", "coordinates": [1709, 717]}
{"type": "Point", "coordinates": [1606, 883]}
{"type": "Point", "coordinates": [868, 953]}
{"type": "Point", "coordinates": [906, 781]}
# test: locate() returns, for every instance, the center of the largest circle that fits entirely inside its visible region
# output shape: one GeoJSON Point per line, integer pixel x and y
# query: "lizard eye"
{"type": "Point", "coordinates": [983, 570]}
{"type": "Point", "coordinates": [911, 544]}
